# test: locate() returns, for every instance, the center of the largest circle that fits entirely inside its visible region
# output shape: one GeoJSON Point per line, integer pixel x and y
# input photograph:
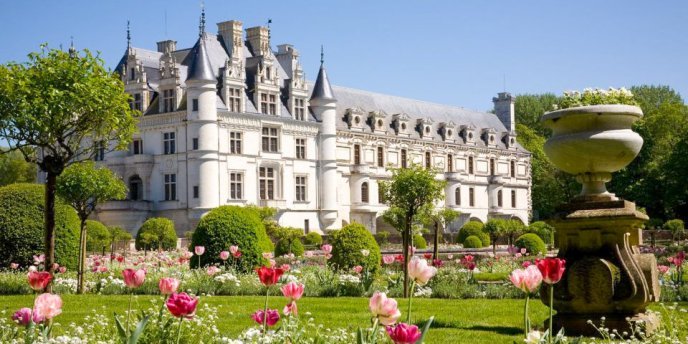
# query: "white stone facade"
{"type": "Point", "coordinates": [229, 121]}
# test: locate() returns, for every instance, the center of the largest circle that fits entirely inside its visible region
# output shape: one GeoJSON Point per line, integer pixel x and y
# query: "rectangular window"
{"type": "Point", "coordinates": [267, 183]}
{"type": "Point", "coordinates": [457, 196]}
{"type": "Point", "coordinates": [470, 165]}
{"type": "Point", "coordinates": [135, 103]}
{"type": "Point", "coordinates": [299, 109]}
{"type": "Point", "coordinates": [306, 226]}
{"type": "Point", "coordinates": [236, 185]}
{"type": "Point", "coordinates": [492, 167]}
{"type": "Point", "coordinates": [168, 141]}
{"type": "Point", "coordinates": [513, 198]}
{"type": "Point", "coordinates": [273, 104]}
{"type": "Point", "coordinates": [500, 201]}
{"type": "Point", "coordinates": [301, 188]}
{"type": "Point", "coordinates": [168, 100]}
{"type": "Point", "coordinates": [170, 187]}
{"type": "Point", "coordinates": [195, 191]}
{"type": "Point", "coordinates": [300, 148]}
{"type": "Point", "coordinates": [132, 75]}
{"type": "Point", "coordinates": [235, 142]}
{"type": "Point", "coordinates": [380, 157]}
{"type": "Point", "coordinates": [512, 169]}
{"type": "Point", "coordinates": [100, 151]}
{"type": "Point", "coordinates": [270, 139]}
{"type": "Point", "coordinates": [357, 154]}
{"type": "Point", "coordinates": [450, 163]}
{"type": "Point", "coordinates": [403, 158]}
{"type": "Point", "coordinates": [194, 104]}
{"type": "Point", "coordinates": [428, 160]}
{"type": "Point", "coordinates": [194, 143]}
{"type": "Point", "coordinates": [268, 104]}
{"type": "Point", "coordinates": [471, 197]}
{"type": "Point", "coordinates": [234, 100]}
{"type": "Point", "coordinates": [137, 146]}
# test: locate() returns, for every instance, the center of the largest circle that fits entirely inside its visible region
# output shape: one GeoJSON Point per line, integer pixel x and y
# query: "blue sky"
{"type": "Point", "coordinates": [453, 52]}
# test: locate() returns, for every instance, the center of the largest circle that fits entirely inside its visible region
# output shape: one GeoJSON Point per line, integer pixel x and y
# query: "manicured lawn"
{"type": "Point", "coordinates": [456, 321]}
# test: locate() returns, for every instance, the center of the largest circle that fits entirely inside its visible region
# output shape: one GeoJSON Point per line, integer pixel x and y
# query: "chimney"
{"type": "Point", "coordinates": [232, 35]}
{"type": "Point", "coordinates": [287, 57]}
{"type": "Point", "coordinates": [504, 109]}
{"type": "Point", "coordinates": [167, 46]}
{"type": "Point", "coordinates": [258, 40]}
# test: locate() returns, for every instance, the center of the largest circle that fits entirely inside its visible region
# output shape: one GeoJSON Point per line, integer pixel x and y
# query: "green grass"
{"type": "Point", "coordinates": [456, 321]}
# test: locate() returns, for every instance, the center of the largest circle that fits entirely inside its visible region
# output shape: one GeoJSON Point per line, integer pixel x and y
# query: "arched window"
{"type": "Point", "coordinates": [499, 199]}
{"type": "Point", "coordinates": [513, 198]}
{"type": "Point", "coordinates": [513, 169]}
{"type": "Point", "coordinates": [450, 163]}
{"type": "Point", "coordinates": [470, 165]}
{"type": "Point", "coordinates": [457, 196]}
{"type": "Point", "coordinates": [403, 158]}
{"type": "Point", "coordinates": [364, 192]}
{"type": "Point", "coordinates": [357, 154]}
{"type": "Point", "coordinates": [135, 188]}
{"type": "Point", "coordinates": [428, 160]}
{"type": "Point", "coordinates": [380, 157]}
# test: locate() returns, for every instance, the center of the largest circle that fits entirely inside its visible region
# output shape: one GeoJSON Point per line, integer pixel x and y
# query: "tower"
{"type": "Point", "coordinates": [504, 109]}
{"type": "Point", "coordinates": [323, 104]}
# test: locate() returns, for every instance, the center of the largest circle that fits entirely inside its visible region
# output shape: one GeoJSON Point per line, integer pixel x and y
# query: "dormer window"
{"type": "Point", "coordinates": [300, 109]}
{"type": "Point", "coordinates": [377, 121]}
{"type": "Point", "coordinates": [169, 100]}
{"type": "Point", "coordinates": [268, 104]}
{"type": "Point", "coordinates": [400, 124]}
{"type": "Point", "coordinates": [403, 126]}
{"type": "Point", "coordinates": [354, 117]}
{"type": "Point", "coordinates": [379, 124]}
{"type": "Point", "coordinates": [447, 130]}
{"type": "Point", "coordinates": [234, 99]}
{"type": "Point", "coordinates": [467, 133]}
{"type": "Point", "coordinates": [425, 128]}
{"type": "Point", "coordinates": [488, 136]}
{"type": "Point", "coordinates": [357, 120]}
{"type": "Point", "coordinates": [132, 76]}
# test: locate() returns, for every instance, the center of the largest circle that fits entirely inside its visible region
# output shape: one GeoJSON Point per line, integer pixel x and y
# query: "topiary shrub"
{"type": "Point", "coordinates": [286, 246]}
{"type": "Point", "coordinates": [229, 225]}
{"type": "Point", "coordinates": [156, 233]}
{"type": "Point", "coordinates": [22, 231]}
{"type": "Point", "coordinates": [472, 242]}
{"type": "Point", "coordinates": [532, 243]}
{"type": "Point", "coordinates": [382, 237]}
{"type": "Point", "coordinates": [97, 236]}
{"type": "Point", "coordinates": [419, 242]}
{"type": "Point", "coordinates": [313, 239]}
{"type": "Point", "coordinates": [347, 244]}
{"type": "Point", "coordinates": [543, 230]}
{"type": "Point", "coordinates": [473, 228]}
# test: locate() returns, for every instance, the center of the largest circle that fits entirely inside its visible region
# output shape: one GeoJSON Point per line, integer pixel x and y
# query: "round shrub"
{"type": "Point", "coordinates": [473, 228]}
{"type": "Point", "coordinates": [472, 242]}
{"type": "Point", "coordinates": [313, 239]}
{"type": "Point", "coordinates": [286, 246]}
{"type": "Point", "coordinates": [541, 229]}
{"type": "Point", "coordinates": [22, 226]}
{"type": "Point", "coordinates": [228, 225]}
{"type": "Point", "coordinates": [347, 244]}
{"type": "Point", "coordinates": [532, 243]}
{"type": "Point", "coordinates": [97, 236]}
{"type": "Point", "coordinates": [419, 242]}
{"type": "Point", "coordinates": [156, 233]}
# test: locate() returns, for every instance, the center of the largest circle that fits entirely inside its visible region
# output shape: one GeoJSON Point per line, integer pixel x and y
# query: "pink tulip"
{"type": "Point", "coordinates": [271, 319]}
{"type": "Point", "coordinates": [168, 285]}
{"type": "Point", "coordinates": [134, 278]}
{"type": "Point", "coordinates": [450, 256]}
{"type": "Point", "coordinates": [55, 266]}
{"type": "Point", "coordinates": [224, 255]}
{"type": "Point", "coordinates": [234, 249]}
{"type": "Point", "coordinates": [285, 267]}
{"type": "Point", "coordinates": [102, 268]}
{"type": "Point", "coordinates": [388, 259]}
{"type": "Point", "coordinates": [308, 254]}
{"type": "Point", "coordinates": [14, 266]}
{"type": "Point", "coordinates": [23, 316]}
{"type": "Point", "coordinates": [327, 249]}
{"type": "Point", "coordinates": [47, 306]}
{"type": "Point", "coordinates": [267, 255]}
{"type": "Point", "coordinates": [62, 269]}
{"type": "Point", "coordinates": [32, 268]}
{"type": "Point", "coordinates": [328, 256]}
{"type": "Point", "coordinates": [528, 279]}
{"type": "Point", "coordinates": [182, 305]}
{"type": "Point", "coordinates": [212, 270]}
{"type": "Point", "coordinates": [291, 309]}
{"type": "Point", "coordinates": [663, 269]}
{"type": "Point", "coordinates": [420, 272]}
{"type": "Point", "coordinates": [292, 291]}
{"type": "Point", "coordinates": [358, 269]}
{"type": "Point", "coordinates": [404, 333]}
{"type": "Point", "coordinates": [527, 263]}
{"type": "Point", "coordinates": [38, 259]}
{"type": "Point", "coordinates": [199, 250]}
{"type": "Point", "coordinates": [385, 309]}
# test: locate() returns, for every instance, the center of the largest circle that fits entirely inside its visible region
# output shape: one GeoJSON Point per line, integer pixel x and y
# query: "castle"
{"type": "Point", "coordinates": [229, 121]}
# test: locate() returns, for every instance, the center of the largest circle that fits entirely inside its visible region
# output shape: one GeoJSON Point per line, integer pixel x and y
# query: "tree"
{"type": "Point", "coordinates": [410, 194]}
{"type": "Point", "coordinates": [65, 106]}
{"type": "Point", "coordinates": [117, 234]}
{"type": "Point", "coordinates": [530, 107]}
{"type": "Point", "coordinates": [14, 169]}
{"type": "Point", "coordinates": [439, 218]}
{"type": "Point", "coordinates": [512, 229]}
{"type": "Point", "coordinates": [676, 228]}
{"type": "Point", "coordinates": [495, 228]}
{"type": "Point", "coordinates": [84, 186]}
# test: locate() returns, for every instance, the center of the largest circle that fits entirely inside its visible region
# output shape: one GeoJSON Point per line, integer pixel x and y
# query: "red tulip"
{"type": "Point", "coordinates": [271, 318]}
{"type": "Point", "coordinates": [404, 333]}
{"type": "Point", "coordinates": [134, 278]}
{"type": "Point", "coordinates": [182, 305]}
{"type": "Point", "coordinates": [552, 269]}
{"type": "Point", "coordinates": [427, 255]}
{"type": "Point", "coordinates": [269, 275]}
{"type": "Point", "coordinates": [39, 280]}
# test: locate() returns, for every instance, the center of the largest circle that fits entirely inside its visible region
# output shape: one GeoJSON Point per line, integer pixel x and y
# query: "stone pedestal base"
{"type": "Point", "coordinates": [579, 325]}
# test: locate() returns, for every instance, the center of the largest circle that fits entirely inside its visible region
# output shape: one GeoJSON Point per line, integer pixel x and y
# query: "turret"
{"type": "Point", "coordinates": [323, 104]}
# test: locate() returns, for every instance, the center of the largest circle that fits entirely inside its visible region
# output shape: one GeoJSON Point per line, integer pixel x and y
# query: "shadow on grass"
{"type": "Point", "coordinates": [437, 324]}
{"type": "Point", "coordinates": [509, 331]}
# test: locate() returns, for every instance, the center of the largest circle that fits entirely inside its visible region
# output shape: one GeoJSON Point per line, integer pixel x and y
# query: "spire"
{"type": "Point", "coordinates": [128, 37]}
{"type": "Point", "coordinates": [201, 25]}
{"type": "Point", "coordinates": [322, 88]}
{"type": "Point", "coordinates": [72, 49]}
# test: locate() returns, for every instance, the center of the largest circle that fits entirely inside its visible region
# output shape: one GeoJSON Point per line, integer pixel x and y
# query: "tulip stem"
{"type": "Point", "coordinates": [129, 312]}
{"type": "Point", "coordinates": [265, 310]}
{"type": "Point", "coordinates": [525, 316]}
{"type": "Point", "coordinates": [411, 290]}
{"type": "Point", "coordinates": [551, 312]}
{"type": "Point", "coordinates": [373, 333]}
{"type": "Point", "coordinates": [179, 330]}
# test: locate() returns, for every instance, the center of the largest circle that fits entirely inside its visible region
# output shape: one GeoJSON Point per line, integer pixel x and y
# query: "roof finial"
{"type": "Point", "coordinates": [128, 36]}
{"type": "Point", "coordinates": [72, 49]}
{"type": "Point", "coordinates": [201, 26]}
{"type": "Point", "coordinates": [322, 55]}
{"type": "Point", "coordinates": [269, 22]}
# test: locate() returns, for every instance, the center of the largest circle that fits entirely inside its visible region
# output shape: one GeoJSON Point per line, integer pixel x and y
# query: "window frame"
{"type": "Point", "coordinates": [169, 143]}
{"type": "Point", "coordinates": [301, 188]}
{"type": "Point", "coordinates": [272, 137]}
{"type": "Point", "coordinates": [300, 148]}
{"type": "Point", "coordinates": [235, 142]}
{"type": "Point", "coordinates": [236, 185]}
{"type": "Point", "coordinates": [365, 192]}
{"type": "Point", "coordinates": [170, 186]}
{"type": "Point", "coordinates": [267, 183]}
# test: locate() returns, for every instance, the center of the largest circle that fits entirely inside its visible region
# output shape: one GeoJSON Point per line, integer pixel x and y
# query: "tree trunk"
{"type": "Point", "coordinates": [494, 247]}
{"type": "Point", "coordinates": [49, 212]}
{"type": "Point", "coordinates": [435, 249]}
{"type": "Point", "coordinates": [82, 258]}
{"type": "Point", "coordinates": [405, 249]}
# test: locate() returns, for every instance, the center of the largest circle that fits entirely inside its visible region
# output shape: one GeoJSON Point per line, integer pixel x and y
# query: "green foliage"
{"type": "Point", "coordinates": [382, 237]}
{"type": "Point", "coordinates": [15, 169]}
{"type": "Point", "coordinates": [419, 242]}
{"type": "Point", "coordinates": [495, 228]}
{"type": "Point", "coordinates": [84, 186]}
{"type": "Point", "coordinates": [98, 236]}
{"type": "Point", "coordinates": [225, 226]}
{"type": "Point", "coordinates": [472, 242]}
{"type": "Point", "coordinates": [118, 234]}
{"type": "Point", "coordinates": [313, 239]}
{"type": "Point", "coordinates": [530, 107]}
{"type": "Point", "coordinates": [22, 226]}
{"type": "Point", "coordinates": [532, 243]}
{"type": "Point", "coordinates": [286, 246]}
{"type": "Point", "coordinates": [347, 244]}
{"type": "Point", "coordinates": [157, 233]}
{"type": "Point", "coordinates": [676, 227]}
{"type": "Point", "coordinates": [596, 96]}
{"type": "Point", "coordinates": [543, 230]}
{"type": "Point", "coordinates": [473, 228]}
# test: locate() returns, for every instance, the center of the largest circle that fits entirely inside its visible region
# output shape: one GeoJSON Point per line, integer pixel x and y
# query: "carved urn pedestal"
{"type": "Point", "coordinates": [597, 233]}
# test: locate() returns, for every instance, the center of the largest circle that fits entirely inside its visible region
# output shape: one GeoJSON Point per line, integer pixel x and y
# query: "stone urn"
{"type": "Point", "coordinates": [597, 233]}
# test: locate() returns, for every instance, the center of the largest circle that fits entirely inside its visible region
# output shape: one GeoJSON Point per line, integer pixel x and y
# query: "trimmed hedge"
{"type": "Point", "coordinates": [229, 225]}
{"type": "Point", "coordinates": [347, 244]}
{"type": "Point", "coordinates": [473, 228]}
{"type": "Point", "coordinates": [532, 243]}
{"type": "Point", "coordinates": [541, 229]}
{"type": "Point", "coordinates": [97, 236]}
{"type": "Point", "coordinates": [419, 242]}
{"type": "Point", "coordinates": [22, 226]}
{"type": "Point", "coordinates": [155, 233]}
{"type": "Point", "coordinates": [472, 242]}
{"type": "Point", "coordinates": [313, 239]}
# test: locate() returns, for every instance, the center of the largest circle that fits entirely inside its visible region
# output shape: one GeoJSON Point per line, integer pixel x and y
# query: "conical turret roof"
{"type": "Point", "coordinates": [322, 88]}
{"type": "Point", "coordinates": [200, 67]}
